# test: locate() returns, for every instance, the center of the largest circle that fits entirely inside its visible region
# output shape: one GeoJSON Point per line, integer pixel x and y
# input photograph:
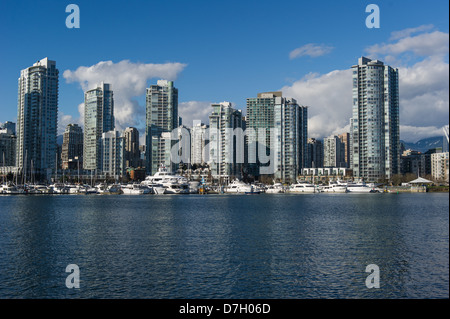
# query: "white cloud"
{"type": "Point", "coordinates": [424, 77]}
{"type": "Point", "coordinates": [128, 81]}
{"type": "Point", "coordinates": [194, 110]}
{"type": "Point", "coordinates": [329, 99]}
{"type": "Point", "coordinates": [424, 97]}
{"type": "Point", "coordinates": [423, 86]}
{"type": "Point", "coordinates": [310, 49]}
{"type": "Point", "coordinates": [425, 44]}
{"type": "Point", "coordinates": [407, 32]}
{"type": "Point", "coordinates": [416, 133]}
{"type": "Point", "coordinates": [81, 112]}
{"type": "Point", "coordinates": [63, 121]}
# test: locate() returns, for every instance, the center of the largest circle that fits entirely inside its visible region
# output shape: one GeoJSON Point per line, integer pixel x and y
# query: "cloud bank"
{"type": "Point", "coordinates": [423, 85]}
{"type": "Point", "coordinates": [329, 99]}
{"type": "Point", "coordinates": [128, 81]}
{"type": "Point", "coordinates": [194, 110]}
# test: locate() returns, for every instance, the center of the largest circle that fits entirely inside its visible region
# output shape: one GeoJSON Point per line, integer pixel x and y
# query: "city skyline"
{"type": "Point", "coordinates": [313, 67]}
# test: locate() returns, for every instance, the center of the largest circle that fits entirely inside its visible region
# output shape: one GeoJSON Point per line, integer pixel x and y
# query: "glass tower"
{"type": "Point", "coordinates": [72, 147]}
{"type": "Point", "coordinates": [225, 149]}
{"type": "Point", "coordinates": [37, 118]}
{"type": "Point", "coordinates": [375, 133]}
{"type": "Point", "coordinates": [98, 119]}
{"type": "Point", "coordinates": [289, 122]}
{"type": "Point", "coordinates": [132, 153]}
{"type": "Point", "coordinates": [161, 116]}
{"type": "Point", "coordinates": [112, 154]}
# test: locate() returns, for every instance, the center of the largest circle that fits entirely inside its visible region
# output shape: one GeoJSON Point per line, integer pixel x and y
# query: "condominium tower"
{"type": "Point", "coordinates": [161, 116]}
{"type": "Point", "coordinates": [226, 151]}
{"type": "Point", "coordinates": [72, 147]}
{"type": "Point", "coordinates": [131, 145]}
{"type": "Point", "coordinates": [98, 119]}
{"type": "Point", "coordinates": [272, 114]}
{"type": "Point", "coordinates": [112, 154]}
{"type": "Point", "coordinates": [345, 139]}
{"type": "Point", "coordinates": [8, 145]}
{"type": "Point", "coordinates": [37, 118]}
{"type": "Point", "coordinates": [333, 152]}
{"type": "Point", "coordinates": [199, 141]}
{"type": "Point", "coordinates": [315, 153]}
{"type": "Point", "coordinates": [375, 133]}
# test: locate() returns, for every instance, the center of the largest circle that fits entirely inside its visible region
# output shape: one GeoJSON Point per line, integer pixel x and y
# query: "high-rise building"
{"type": "Point", "coordinates": [8, 141]}
{"type": "Point", "coordinates": [417, 163]}
{"type": "Point", "coordinates": [333, 152]}
{"type": "Point", "coordinates": [37, 118]}
{"type": "Point", "coordinates": [375, 133]}
{"type": "Point", "coordinates": [112, 154]}
{"type": "Point", "coordinates": [226, 152]}
{"type": "Point", "coordinates": [315, 153]}
{"type": "Point", "coordinates": [72, 147]}
{"type": "Point", "coordinates": [199, 142]}
{"type": "Point", "coordinates": [345, 139]}
{"type": "Point", "coordinates": [132, 153]}
{"type": "Point", "coordinates": [161, 116]}
{"type": "Point", "coordinates": [10, 127]}
{"type": "Point", "coordinates": [291, 149]}
{"type": "Point", "coordinates": [161, 146]}
{"type": "Point", "coordinates": [439, 166]}
{"type": "Point", "coordinates": [271, 112]}
{"type": "Point", "coordinates": [260, 118]}
{"type": "Point", "coordinates": [98, 119]}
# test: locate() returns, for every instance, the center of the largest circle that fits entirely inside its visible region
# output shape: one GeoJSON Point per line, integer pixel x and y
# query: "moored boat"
{"type": "Point", "coordinates": [303, 187]}
{"type": "Point", "coordinates": [238, 186]}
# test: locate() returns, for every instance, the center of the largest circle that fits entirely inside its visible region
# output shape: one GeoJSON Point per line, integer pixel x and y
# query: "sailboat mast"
{"type": "Point", "coordinates": [56, 167]}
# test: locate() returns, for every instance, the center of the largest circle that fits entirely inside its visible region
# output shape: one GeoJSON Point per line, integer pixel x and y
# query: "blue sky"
{"type": "Point", "coordinates": [227, 51]}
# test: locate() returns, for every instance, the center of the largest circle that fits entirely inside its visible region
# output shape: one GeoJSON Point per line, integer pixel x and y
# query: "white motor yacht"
{"type": "Point", "coordinates": [334, 187]}
{"type": "Point", "coordinates": [238, 186]}
{"type": "Point", "coordinates": [173, 184]}
{"type": "Point", "coordinates": [135, 189]}
{"type": "Point", "coordinates": [154, 188]}
{"type": "Point", "coordinates": [303, 187]}
{"type": "Point", "coordinates": [42, 189]}
{"type": "Point", "coordinates": [176, 188]}
{"type": "Point", "coordinates": [360, 187]}
{"type": "Point", "coordinates": [276, 188]}
{"type": "Point", "coordinates": [105, 189]}
{"type": "Point", "coordinates": [158, 189]}
{"type": "Point", "coordinates": [74, 189]}
{"type": "Point", "coordinates": [9, 189]}
{"type": "Point", "coordinates": [59, 188]}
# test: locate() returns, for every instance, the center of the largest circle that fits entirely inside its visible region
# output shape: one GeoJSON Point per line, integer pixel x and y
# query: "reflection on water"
{"type": "Point", "coordinates": [225, 246]}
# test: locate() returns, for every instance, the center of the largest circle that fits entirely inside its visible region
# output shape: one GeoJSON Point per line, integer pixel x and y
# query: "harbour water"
{"type": "Point", "coordinates": [225, 246]}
